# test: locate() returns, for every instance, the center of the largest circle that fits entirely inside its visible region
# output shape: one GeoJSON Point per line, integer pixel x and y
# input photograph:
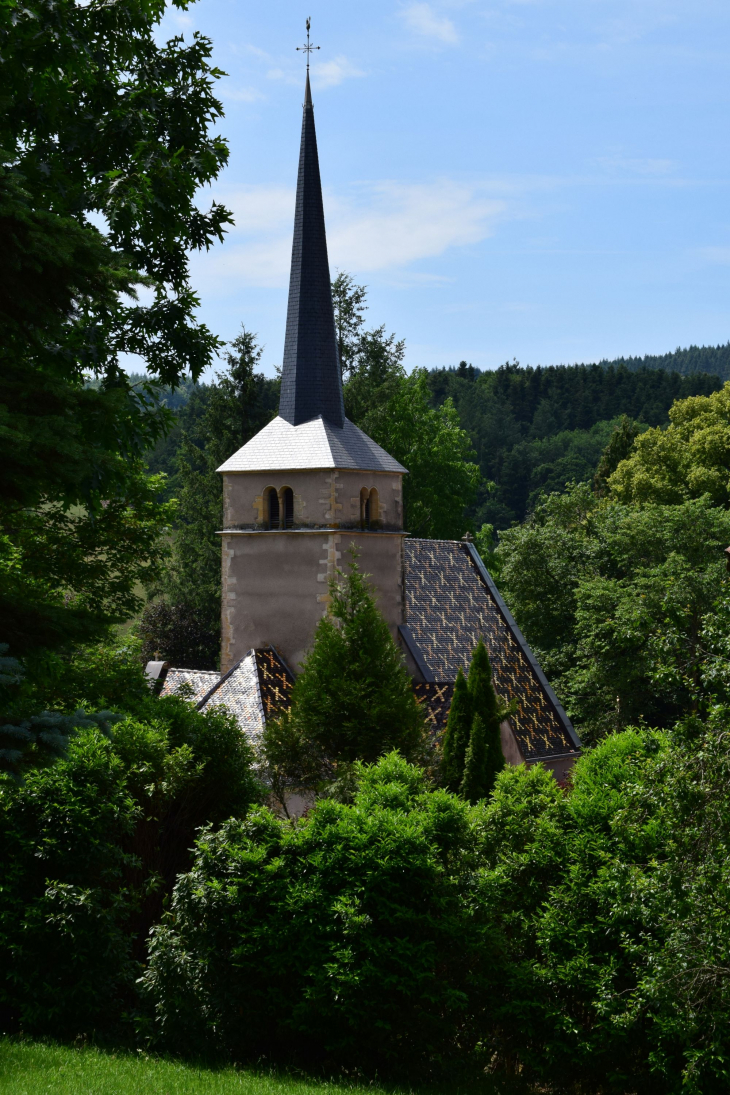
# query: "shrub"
{"type": "Point", "coordinates": [614, 900]}
{"type": "Point", "coordinates": [92, 846]}
{"type": "Point", "coordinates": [350, 939]}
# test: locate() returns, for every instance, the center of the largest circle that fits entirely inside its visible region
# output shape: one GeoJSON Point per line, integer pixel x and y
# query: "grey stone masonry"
{"type": "Point", "coordinates": [311, 383]}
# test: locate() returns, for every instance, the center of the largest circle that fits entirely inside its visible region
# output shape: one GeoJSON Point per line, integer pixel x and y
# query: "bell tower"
{"type": "Point", "coordinates": [310, 484]}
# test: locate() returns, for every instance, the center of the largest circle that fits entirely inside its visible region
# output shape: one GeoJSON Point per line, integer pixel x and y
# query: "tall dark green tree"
{"type": "Point", "coordinates": [476, 783]}
{"type": "Point", "coordinates": [100, 124]}
{"type": "Point", "coordinates": [488, 759]}
{"type": "Point", "coordinates": [456, 735]}
{"type": "Point", "coordinates": [353, 699]}
{"type": "Point", "coordinates": [619, 446]}
{"type": "Point", "coordinates": [237, 406]}
{"type": "Point", "coordinates": [472, 750]}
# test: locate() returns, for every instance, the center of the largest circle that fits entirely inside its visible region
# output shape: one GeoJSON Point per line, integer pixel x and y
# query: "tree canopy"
{"type": "Point", "coordinates": [688, 459]}
{"type": "Point", "coordinates": [105, 137]}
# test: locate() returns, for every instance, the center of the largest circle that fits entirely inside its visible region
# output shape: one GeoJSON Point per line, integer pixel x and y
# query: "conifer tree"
{"type": "Point", "coordinates": [487, 706]}
{"type": "Point", "coordinates": [353, 699]}
{"type": "Point", "coordinates": [476, 783]}
{"type": "Point", "coordinates": [456, 737]}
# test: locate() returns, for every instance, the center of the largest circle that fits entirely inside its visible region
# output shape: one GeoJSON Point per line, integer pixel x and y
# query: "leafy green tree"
{"type": "Point", "coordinates": [350, 307]}
{"type": "Point", "coordinates": [687, 460]}
{"type": "Point", "coordinates": [442, 480]}
{"type": "Point", "coordinates": [456, 736]}
{"type": "Point", "coordinates": [94, 837]}
{"type": "Point", "coordinates": [353, 699]}
{"type": "Point", "coordinates": [622, 604]}
{"type": "Point", "coordinates": [613, 898]}
{"type": "Point", "coordinates": [102, 124]}
{"type": "Point", "coordinates": [349, 939]}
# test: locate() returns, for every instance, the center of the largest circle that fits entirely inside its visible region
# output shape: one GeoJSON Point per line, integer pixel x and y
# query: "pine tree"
{"type": "Point", "coordinates": [491, 711]}
{"type": "Point", "coordinates": [456, 737]}
{"type": "Point", "coordinates": [353, 699]}
{"type": "Point", "coordinates": [476, 782]}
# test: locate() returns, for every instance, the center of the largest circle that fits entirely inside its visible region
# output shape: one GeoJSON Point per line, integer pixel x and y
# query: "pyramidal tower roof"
{"type": "Point", "coordinates": [311, 382]}
{"type": "Point", "coordinates": [311, 430]}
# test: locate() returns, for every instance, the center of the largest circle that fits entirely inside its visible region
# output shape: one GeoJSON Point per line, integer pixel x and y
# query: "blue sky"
{"type": "Point", "coordinates": [546, 180]}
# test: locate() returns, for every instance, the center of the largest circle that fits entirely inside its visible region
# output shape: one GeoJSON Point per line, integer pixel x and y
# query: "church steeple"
{"type": "Point", "coordinates": [311, 383]}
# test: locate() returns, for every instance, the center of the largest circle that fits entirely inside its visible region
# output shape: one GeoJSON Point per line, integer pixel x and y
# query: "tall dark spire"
{"type": "Point", "coordinates": [311, 383]}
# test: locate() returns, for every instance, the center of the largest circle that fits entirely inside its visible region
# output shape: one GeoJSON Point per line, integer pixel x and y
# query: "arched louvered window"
{"type": "Point", "coordinates": [287, 505]}
{"type": "Point", "coordinates": [272, 508]}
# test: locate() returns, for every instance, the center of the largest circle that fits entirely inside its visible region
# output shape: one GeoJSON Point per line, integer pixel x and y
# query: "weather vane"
{"type": "Point", "coordinates": [308, 48]}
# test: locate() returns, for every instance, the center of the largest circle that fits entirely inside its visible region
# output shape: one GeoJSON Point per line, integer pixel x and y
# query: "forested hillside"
{"type": "Point", "coordinates": [694, 359]}
{"type": "Point", "coordinates": [536, 429]}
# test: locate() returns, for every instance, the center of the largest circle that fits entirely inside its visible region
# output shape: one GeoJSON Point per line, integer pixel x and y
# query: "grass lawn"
{"type": "Point", "coordinates": [32, 1068]}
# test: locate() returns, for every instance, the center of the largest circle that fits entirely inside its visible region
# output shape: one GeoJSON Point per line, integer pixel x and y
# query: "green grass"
{"type": "Point", "coordinates": [34, 1068]}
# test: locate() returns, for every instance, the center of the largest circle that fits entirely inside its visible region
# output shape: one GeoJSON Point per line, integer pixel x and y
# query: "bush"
{"type": "Point", "coordinates": [351, 939]}
{"type": "Point", "coordinates": [614, 900]}
{"type": "Point", "coordinates": [92, 846]}
{"type": "Point", "coordinates": [65, 905]}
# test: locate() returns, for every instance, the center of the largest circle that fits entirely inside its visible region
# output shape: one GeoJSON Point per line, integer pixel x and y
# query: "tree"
{"type": "Point", "coordinates": [395, 410]}
{"type": "Point", "coordinates": [100, 123]}
{"type": "Point", "coordinates": [350, 307]}
{"type": "Point", "coordinates": [472, 749]}
{"type": "Point", "coordinates": [487, 758]}
{"type": "Point", "coordinates": [442, 480]}
{"type": "Point", "coordinates": [95, 835]}
{"type": "Point", "coordinates": [476, 784]}
{"type": "Point", "coordinates": [234, 409]}
{"type": "Point", "coordinates": [687, 460]}
{"type": "Point", "coordinates": [624, 605]}
{"type": "Point", "coordinates": [456, 736]}
{"type": "Point", "coordinates": [618, 448]}
{"type": "Point", "coordinates": [350, 940]}
{"type": "Point", "coordinates": [353, 699]}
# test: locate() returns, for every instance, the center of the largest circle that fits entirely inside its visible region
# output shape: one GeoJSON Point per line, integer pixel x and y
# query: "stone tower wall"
{"type": "Point", "coordinates": [276, 582]}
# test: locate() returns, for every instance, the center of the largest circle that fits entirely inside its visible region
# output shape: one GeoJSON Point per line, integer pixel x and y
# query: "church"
{"type": "Point", "coordinates": [307, 487]}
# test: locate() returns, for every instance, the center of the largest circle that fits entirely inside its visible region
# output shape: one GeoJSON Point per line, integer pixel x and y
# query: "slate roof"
{"type": "Point", "coordinates": [435, 699]}
{"type": "Point", "coordinates": [193, 684]}
{"type": "Point", "coordinates": [311, 383]}
{"type": "Point", "coordinates": [280, 446]}
{"type": "Point", "coordinates": [252, 690]}
{"type": "Point", "coordinates": [451, 601]}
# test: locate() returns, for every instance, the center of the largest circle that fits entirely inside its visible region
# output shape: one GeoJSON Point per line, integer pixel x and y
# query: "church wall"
{"type": "Point", "coordinates": [322, 498]}
{"type": "Point", "coordinates": [276, 585]}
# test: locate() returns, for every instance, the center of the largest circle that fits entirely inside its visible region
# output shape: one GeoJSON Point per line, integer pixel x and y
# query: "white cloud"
{"type": "Point", "coordinates": [324, 73]}
{"type": "Point", "coordinates": [401, 224]}
{"type": "Point", "coordinates": [383, 226]}
{"type": "Point", "coordinates": [331, 73]}
{"type": "Point", "coordinates": [422, 19]}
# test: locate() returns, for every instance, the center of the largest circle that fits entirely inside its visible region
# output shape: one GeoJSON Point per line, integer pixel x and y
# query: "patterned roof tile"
{"type": "Point", "coordinates": [449, 606]}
